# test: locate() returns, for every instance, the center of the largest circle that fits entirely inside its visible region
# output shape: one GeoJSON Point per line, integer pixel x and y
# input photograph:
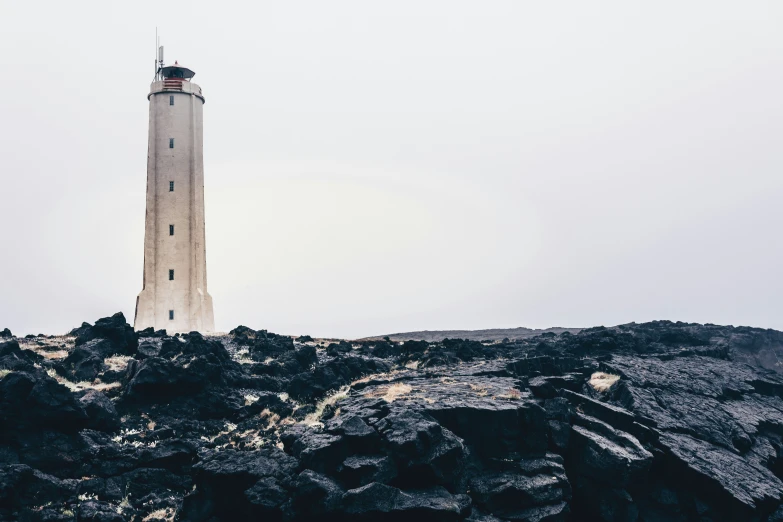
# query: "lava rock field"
{"type": "Point", "coordinates": [648, 422]}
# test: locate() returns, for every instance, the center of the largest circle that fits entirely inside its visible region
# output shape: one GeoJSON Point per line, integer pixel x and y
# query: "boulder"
{"type": "Point", "coordinates": [606, 455]}
{"type": "Point", "coordinates": [314, 495]}
{"type": "Point", "coordinates": [114, 329]}
{"type": "Point", "coordinates": [13, 358]}
{"type": "Point", "coordinates": [37, 401]}
{"type": "Point", "coordinates": [100, 410]}
{"type": "Point", "coordinates": [266, 498]}
{"type": "Point", "coordinates": [85, 361]}
{"type": "Point", "coordinates": [223, 477]}
{"type": "Point", "coordinates": [536, 486]}
{"type": "Point", "coordinates": [422, 450]}
{"type": "Point", "coordinates": [23, 486]}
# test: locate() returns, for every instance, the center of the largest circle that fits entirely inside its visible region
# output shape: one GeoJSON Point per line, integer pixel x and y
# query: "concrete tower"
{"type": "Point", "coordinates": [174, 296]}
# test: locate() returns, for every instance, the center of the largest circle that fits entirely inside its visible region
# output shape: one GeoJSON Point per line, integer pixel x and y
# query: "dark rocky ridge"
{"type": "Point", "coordinates": [491, 334]}
{"type": "Point", "coordinates": [642, 422]}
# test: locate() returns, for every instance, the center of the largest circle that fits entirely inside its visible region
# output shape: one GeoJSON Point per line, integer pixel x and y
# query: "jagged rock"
{"type": "Point", "coordinates": [360, 470]}
{"type": "Point", "coordinates": [607, 455]}
{"type": "Point", "coordinates": [422, 450]}
{"type": "Point", "coordinates": [266, 498]}
{"type": "Point", "coordinates": [320, 451]}
{"type": "Point", "coordinates": [10, 347]}
{"type": "Point", "coordinates": [13, 358]}
{"type": "Point", "coordinates": [76, 332]}
{"type": "Point", "coordinates": [307, 385]}
{"type": "Point", "coordinates": [182, 368]}
{"type": "Point", "coordinates": [23, 486]}
{"type": "Point", "coordinates": [262, 343]}
{"type": "Point", "coordinates": [114, 329]}
{"type": "Point", "coordinates": [151, 332]}
{"type": "Point", "coordinates": [37, 401]}
{"type": "Point", "coordinates": [337, 349]}
{"type": "Point", "coordinates": [542, 388]}
{"type": "Point", "coordinates": [453, 430]}
{"type": "Point", "coordinates": [381, 502]}
{"type": "Point", "coordinates": [742, 487]}
{"type": "Point", "coordinates": [97, 511]}
{"type": "Point", "coordinates": [147, 349]}
{"type": "Point", "coordinates": [223, 477]}
{"type": "Point", "coordinates": [85, 362]}
{"type": "Point", "coordinates": [100, 410]}
{"type": "Point", "coordinates": [314, 495]}
{"type": "Point", "coordinates": [536, 489]}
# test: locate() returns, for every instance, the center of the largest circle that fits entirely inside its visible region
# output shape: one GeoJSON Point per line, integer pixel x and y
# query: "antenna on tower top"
{"type": "Point", "coordinates": [158, 56]}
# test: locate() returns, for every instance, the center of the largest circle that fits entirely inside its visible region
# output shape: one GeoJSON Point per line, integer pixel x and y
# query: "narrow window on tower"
{"type": "Point", "coordinates": [171, 275]}
{"type": "Point", "coordinates": [171, 143]}
{"type": "Point", "coordinates": [171, 100]}
{"type": "Point", "coordinates": [171, 315]}
{"type": "Point", "coordinates": [171, 230]}
{"type": "Point", "coordinates": [171, 186]}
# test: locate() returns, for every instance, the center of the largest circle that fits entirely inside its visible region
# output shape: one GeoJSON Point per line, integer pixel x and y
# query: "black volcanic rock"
{"type": "Point", "coordinates": [378, 501]}
{"type": "Point", "coordinates": [257, 426]}
{"type": "Point", "coordinates": [35, 401]}
{"type": "Point", "coordinates": [114, 329]}
{"type": "Point", "coordinates": [100, 410]}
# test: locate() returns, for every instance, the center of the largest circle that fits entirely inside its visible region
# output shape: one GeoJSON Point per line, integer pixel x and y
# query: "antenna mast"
{"type": "Point", "coordinates": [158, 56]}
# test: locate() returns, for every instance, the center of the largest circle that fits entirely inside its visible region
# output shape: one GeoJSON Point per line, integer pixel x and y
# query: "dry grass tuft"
{"type": "Point", "coordinates": [602, 382]}
{"type": "Point", "coordinates": [272, 418]}
{"type": "Point", "coordinates": [392, 392]}
{"type": "Point", "coordinates": [81, 385]}
{"type": "Point", "coordinates": [511, 393]}
{"type": "Point", "coordinates": [55, 348]}
{"type": "Point", "coordinates": [166, 514]}
{"type": "Point", "coordinates": [58, 354]}
{"type": "Point", "coordinates": [480, 390]}
{"type": "Point", "coordinates": [314, 418]}
{"type": "Point", "coordinates": [117, 363]}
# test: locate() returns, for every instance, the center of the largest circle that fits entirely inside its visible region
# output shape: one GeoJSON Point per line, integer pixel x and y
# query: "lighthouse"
{"type": "Point", "coordinates": [174, 294]}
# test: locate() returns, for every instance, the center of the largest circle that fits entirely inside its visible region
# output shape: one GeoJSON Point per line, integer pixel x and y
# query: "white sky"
{"type": "Point", "coordinates": [413, 165]}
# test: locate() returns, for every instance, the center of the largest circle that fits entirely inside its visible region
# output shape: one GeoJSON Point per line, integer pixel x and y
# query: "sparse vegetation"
{"type": "Point", "coordinates": [315, 417]}
{"type": "Point", "coordinates": [392, 392]}
{"type": "Point", "coordinates": [53, 348]}
{"type": "Point", "coordinates": [271, 417]}
{"type": "Point", "coordinates": [117, 363]}
{"type": "Point", "coordinates": [81, 385]}
{"type": "Point", "coordinates": [481, 391]}
{"type": "Point", "coordinates": [4, 372]}
{"type": "Point", "coordinates": [602, 382]}
{"type": "Point", "coordinates": [57, 354]}
{"type": "Point", "coordinates": [512, 394]}
{"type": "Point", "coordinates": [166, 514]}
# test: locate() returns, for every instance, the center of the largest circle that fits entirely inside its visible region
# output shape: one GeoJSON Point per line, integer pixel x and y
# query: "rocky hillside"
{"type": "Point", "coordinates": [650, 422]}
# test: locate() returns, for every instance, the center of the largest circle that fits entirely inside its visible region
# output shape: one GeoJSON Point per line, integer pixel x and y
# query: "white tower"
{"type": "Point", "coordinates": [174, 296]}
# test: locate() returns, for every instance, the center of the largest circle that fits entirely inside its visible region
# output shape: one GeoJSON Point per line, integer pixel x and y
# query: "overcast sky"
{"type": "Point", "coordinates": [381, 167]}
